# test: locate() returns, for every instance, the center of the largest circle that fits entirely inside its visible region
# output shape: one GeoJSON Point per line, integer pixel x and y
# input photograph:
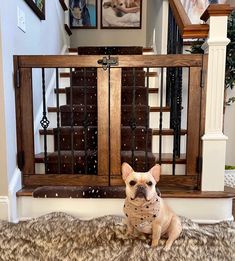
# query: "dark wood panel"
{"type": "Point", "coordinates": [103, 121]}
{"type": "Point", "coordinates": [26, 105]}
{"type": "Point", "coordinates": [157, 109]}
{"type": "Point", "coordinates": [193, 120]}
{"type": "Point", "coordinates": [65, 180]}
{"type": "Point", "coordinates": [115, 121]}
{"type": "Point", "coordinates": [152, 61]}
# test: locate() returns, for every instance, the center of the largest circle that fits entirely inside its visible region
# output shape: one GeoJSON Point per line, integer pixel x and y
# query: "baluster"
{"type": "Point", "coordinates": [160, 119]}
{"type": "Point", "coordinates": [58, 120]}
{"type": "Point", "coordinates": [44, 121]}
{"type": "Point", "coordinates": [72, 121]}
{"type": "Point", "coordinates": [147, 123]}
{"type": "Point", "coordinates": [133, 118]}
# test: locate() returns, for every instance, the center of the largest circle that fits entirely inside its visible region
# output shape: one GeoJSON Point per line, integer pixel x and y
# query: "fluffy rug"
{"type": "Point", "coordinates": [58, 236]}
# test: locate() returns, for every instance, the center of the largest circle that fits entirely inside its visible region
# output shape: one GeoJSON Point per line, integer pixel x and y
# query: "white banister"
{"type": "Point", "coordinates": [214, 141]}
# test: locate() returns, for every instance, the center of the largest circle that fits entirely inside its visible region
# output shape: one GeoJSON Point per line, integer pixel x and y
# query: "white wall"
{"type": "Point", "coordinates": [229, 129]}
{"type": "Point", "coordinates": [41, 37]}
{"type": "Point", "coordinates": [101, 37]}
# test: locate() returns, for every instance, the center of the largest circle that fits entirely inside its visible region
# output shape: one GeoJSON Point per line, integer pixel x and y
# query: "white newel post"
{"type": "Point", "coordinates": [214, 141]}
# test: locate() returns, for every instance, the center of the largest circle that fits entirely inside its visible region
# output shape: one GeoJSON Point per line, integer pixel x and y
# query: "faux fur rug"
{"type": "Point", "coordinates": [58, 236]}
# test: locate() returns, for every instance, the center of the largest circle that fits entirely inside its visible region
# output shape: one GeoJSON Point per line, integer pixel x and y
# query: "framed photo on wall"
{"type": "Point", "coordinates": [83, 14]}
{"type": "Point", "coordinates": [121, 14]}
{"type": "Point", "coordinates": [38, 6]}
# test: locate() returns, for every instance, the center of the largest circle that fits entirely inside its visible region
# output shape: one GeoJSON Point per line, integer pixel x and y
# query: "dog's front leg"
{"type": "Point", "coordinates": [156, 233]}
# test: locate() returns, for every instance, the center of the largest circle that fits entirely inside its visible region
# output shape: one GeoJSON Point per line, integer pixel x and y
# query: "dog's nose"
{"type": "Point", "coordinates": [140, 191]}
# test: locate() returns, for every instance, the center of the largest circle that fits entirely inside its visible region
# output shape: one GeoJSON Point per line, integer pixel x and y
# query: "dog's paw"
{"type": "Point", "coordinates": [154, 243]}
{"type": "Point", "coordinates": [167, 248]}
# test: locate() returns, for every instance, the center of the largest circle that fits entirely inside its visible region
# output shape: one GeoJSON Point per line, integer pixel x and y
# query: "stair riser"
{"type": "Point", "coordinates": [153, 120]}
{"type": "Point", "coordinates": [65, 99]}
{"type": "Point", "coordinates": [167, 144]}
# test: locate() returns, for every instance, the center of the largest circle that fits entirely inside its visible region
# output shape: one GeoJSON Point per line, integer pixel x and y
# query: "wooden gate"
{"type": "Point", "coordinates": [71, 165]}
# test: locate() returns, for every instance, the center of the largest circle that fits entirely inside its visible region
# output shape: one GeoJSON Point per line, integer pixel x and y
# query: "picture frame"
{"type": "Point", "coordinates": [126, 14]}
{"type": "Point", "coordinates": [83, 14]}
{"type": "Point", "coordinates": [38, 7]}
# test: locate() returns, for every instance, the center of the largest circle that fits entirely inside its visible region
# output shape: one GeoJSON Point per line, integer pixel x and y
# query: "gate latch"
{"type": "Point", "coordinates": [107, 62]}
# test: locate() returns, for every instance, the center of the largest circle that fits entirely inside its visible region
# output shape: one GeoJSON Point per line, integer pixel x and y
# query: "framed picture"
{"type": "Point", "coordinates": [83, 14]}
{"type": "Point", "coordinates": [38, 6]}
{"type": "Point", "coordinates": [121, 14]}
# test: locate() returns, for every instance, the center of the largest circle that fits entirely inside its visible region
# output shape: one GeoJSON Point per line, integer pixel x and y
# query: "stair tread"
{"type": "Point", "coordinates": [75, 49]}
{"type": "Point", "coordinates": [115, 192]}
{"type": "Point", "coordinates": [152, 108]}
{"type": "Point", "coordinates": [167, 158]}
{"type": "Point", "coordinates": [168, 132]}
{"type": "Point", "coordinates": [150, 90]}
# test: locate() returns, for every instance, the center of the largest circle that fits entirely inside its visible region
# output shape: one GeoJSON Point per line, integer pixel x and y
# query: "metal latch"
{"type": "Point", "coordinates": [107, 62]}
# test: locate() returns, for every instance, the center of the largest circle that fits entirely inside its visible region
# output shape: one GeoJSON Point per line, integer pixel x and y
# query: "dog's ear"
{"type": "Point", "coordinates": [107, 4]}
{"type": "Point", "coordinates": [155, 171]}
{"type": "Point", "coordinates": [126, 170]}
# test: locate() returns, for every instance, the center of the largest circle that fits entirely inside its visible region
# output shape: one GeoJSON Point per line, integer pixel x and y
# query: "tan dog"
{"type": "Point", "coordinates": [121, 7]}
{"type": "Point", "coordinates": [145, 211]}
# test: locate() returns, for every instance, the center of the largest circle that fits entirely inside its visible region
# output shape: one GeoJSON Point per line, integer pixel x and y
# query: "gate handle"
{"type": "Point", "coordinates": [107, 62]}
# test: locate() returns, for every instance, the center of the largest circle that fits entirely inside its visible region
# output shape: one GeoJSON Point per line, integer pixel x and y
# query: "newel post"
{"type": "Point", "coordinates": [213, 140]}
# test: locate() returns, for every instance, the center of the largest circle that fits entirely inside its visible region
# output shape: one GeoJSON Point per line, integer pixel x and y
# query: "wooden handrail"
{"type": "Point", "coordinates": [187, 29]}
{"type": "Point", "coordinates": [216, 10]}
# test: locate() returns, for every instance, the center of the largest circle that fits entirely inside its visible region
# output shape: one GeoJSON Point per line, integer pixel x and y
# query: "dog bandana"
{"type": "Point", "coordinates": [142, 216]}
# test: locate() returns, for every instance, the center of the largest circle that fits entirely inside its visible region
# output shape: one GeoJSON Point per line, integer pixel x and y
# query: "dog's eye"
{"type": "Point", "coordinates": [132, 183]}
{"type": "Point", "coordinates": [149, 183]}
{"type": "Point", "coordinates": [114, 6]}
{"type": "Point", "coordinates": [121, 4]}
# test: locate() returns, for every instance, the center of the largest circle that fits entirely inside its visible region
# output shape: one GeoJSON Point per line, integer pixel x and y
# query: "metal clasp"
{"type": "Point", "coordinates": [107, 62]}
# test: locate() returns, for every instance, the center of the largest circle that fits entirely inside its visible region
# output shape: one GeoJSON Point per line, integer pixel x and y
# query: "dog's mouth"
{"type": "Point", "coordinates": [140, 193]}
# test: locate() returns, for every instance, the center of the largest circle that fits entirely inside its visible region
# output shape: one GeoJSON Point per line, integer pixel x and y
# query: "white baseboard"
{"type": "Point", "coordinates": [207, 211]}
{"type": "Point", "coordinates": [4, 208]}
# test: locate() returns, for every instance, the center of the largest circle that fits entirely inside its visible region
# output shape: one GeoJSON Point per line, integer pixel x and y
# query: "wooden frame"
{"type": "Point", "coordinates": [114, 18]}
{"type": "Point", "coordinates": [83, 14]}
{"type": "Point", "coordinates": [109, 134]}
{"type": "Point", "coordinates": [38, 8]}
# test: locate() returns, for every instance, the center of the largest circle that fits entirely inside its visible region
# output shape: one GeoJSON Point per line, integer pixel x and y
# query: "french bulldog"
{"type": "Point", "coordinates": [145, 211]}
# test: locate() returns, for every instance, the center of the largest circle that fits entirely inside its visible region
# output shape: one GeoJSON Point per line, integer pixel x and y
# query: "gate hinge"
{"type": "Point", "coordinates": [107, 62]}
{"type": "Point", "coordinates": [202, 80]}
{"type": "Point", "coordinates": [17, 78]}
{"type": "Point", "coordinates": [20, 160]}
{"type": "Point", "coordinates": [199, 165]}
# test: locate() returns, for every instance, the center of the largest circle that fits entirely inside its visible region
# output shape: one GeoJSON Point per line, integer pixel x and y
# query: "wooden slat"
{"type": "Point", "coordinates": [166, 181]}
{"type": "Point", "coordinates": [115, 121]}
{"type": "Point", "coordinates": [152, 61]}
{"type": "Point", "coordinates": [193, 121]}
{"type": "Point", "coordinates": [168, 132]}
{"type": "Point", "coordinates": [103, 121]}
{"type": "Point", "coordinates": [27, 134]}
{"type": "Point", "coordinates": [153, 90]}
{"type": "Point", "coordinates": [145, 49]}
{"type": "Point", "coordinates": [65, 180]}
{"type": "Point", "coordinates": [157, 109]}
{"type": "Point", "coordinates": [151, 74]}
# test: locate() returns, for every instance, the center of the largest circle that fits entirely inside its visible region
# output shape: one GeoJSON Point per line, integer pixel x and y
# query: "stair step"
{"type": "Point", "coordinates": [149, 74]}
{"type": "Point", "coordinates": [145, 50]}
{"type": "Point", "coordinates": [167, 158]}
{"type": "Point", "coordinates": [63, 90]}
{"type": "Point", "coordinates": [114, 192]}
{"type": "Point", "coordinates": [157, 109]}
{"type": "Point", "coordinates": [168, 132]}
{"type": "Point", "coordinates": [79, 137]}
{"type": "Point", "coordinates": [79, 161]}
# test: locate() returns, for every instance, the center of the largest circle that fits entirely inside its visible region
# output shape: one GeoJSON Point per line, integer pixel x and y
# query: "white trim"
{"type": "Point", "coordinates": [211, 221]}
{"type": "Point", "coordinates": [14, 185]}
{"type": "Point", "coordinates": [214, 136]}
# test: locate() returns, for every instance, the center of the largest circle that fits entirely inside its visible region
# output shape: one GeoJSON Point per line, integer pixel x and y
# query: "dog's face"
{"type": "Point", "coordinates": [116, 6]}
{"type": "Point", "coordinates": [140, 185]}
